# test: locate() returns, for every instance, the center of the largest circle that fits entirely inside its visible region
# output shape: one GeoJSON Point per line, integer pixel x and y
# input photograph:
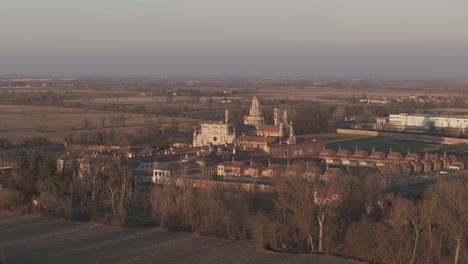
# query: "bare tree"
{"type": "Point", "coordinates": [118, 186]}
{"type": "Point", "coordinates": [296, 202]}
{"type": "Point", "coordinates": [452, 210]}
{"type": "Point", "coordinates": [323, 210]}
{"type": "Point", "coordinates": [162, 200]}
{"type": "Point", "coordinates": [413, 215]}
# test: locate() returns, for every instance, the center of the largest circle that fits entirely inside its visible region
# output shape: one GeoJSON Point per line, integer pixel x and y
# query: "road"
{"type": "Point", "coordinates": [35, 239]}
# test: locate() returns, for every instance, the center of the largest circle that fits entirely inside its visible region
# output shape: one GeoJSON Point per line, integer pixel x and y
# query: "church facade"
{"type": "Point", "coordinates": [214, 133]}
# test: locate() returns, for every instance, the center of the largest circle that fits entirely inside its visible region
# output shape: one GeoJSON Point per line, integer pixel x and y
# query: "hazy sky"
{"type": "Point", "coordinates": [383, 38]}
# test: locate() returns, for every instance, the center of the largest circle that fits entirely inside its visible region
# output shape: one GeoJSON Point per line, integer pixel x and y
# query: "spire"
{"type": "Point", "coordinates": [425, 156]}
{"type": "Point", "coordinates": [251, 160]}
{"type": "Point", "coordinates": [445, 153]}
{"type": "Point", "coordinates": [288, 164]}
{"type": "Point", "coordinates": [373, 148]}
{"type": "Point", "coordinates": [407, 151]}
{"type": "Point", "coordinates": [226, 116]}
{"type": "Point", "coordinates": [269, 161]}
{"type": "Point", "coordinates": [276, 118]}
{"type": "Point", "coordinates": [285, 116]}
{"type": "Point", "coordinates": [356, 148]}
{"type": "Point", "coordinates": [391, 150]}
{"type": "Point", "coordinates": [339, 147]}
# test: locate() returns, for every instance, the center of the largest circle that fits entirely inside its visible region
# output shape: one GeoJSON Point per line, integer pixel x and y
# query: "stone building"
{"type": "Point", "coordinates": [255, 117]}
{"type": "Point", "coordinates": [214, 133]}
{"type": "Point", "coordinates": [302, 149]}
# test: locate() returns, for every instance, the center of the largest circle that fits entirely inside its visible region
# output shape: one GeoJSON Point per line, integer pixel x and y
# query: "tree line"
{"type": "Point", "coordinates": [348, 216]}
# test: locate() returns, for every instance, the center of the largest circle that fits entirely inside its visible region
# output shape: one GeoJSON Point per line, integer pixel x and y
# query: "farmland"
{"type": "Point", "coordinates": [28, 239]}
{"type": "Point", "coordinates": [20, 121]}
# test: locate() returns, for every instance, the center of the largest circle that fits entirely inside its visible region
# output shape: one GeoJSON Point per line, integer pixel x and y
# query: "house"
{"type": "Point", "coordinates": [426, 165]}
{"type": "Point", "coordinates": [302, 148]}
{"type": "Point", "coordinates": [332, 174]}
{"type": "Point", "coordinates": [188, 169]}
{"type": "Point", "coordinates": [436, 161]}
{"type": "Point", "coordinates": [273, 170]}
{"type": "Point", "coordinates": [255, 141]}
{"type": "Point", "coordinates": [406, 167]}
{"type": "Point", "coordinates": [328, 156]}
{"type": "Point", "coordinates": [376, 158]}
{"type": "Point", "coordinates": [393, 157]}
{"type": "Point", "coordinates": [294, 170]}
{"type": "Point", "coordinates": [445, 161]}
{"type": "Point", "coordinates": [359, 158]}
{"type": "Point", "coordinates": [327, 197]}
{"type": "Point", "coordinates": [343, 155]}
{"type": "Point", "coordinates": [238, 168]}
{"type": "Point", "coordinates": [254, 169]}
{"type": "Point", "coordinates": [224, 169]}
{"type": "Point", "coordinates": [417, 166]}
{"type": "Point", "coordinates": [143, 165]}
{"type": "Point", "coordinates": [270, 131]}
{"type": "Point", "coordinates": [312, 173]}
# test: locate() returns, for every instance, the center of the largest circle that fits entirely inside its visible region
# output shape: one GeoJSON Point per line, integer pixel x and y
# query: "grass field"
{"type": "Point", "coordinates": [347, 141]}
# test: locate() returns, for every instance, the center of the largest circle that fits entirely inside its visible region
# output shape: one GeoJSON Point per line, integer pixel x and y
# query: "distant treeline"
{"type": "Point", "coordinates": [24, 143]}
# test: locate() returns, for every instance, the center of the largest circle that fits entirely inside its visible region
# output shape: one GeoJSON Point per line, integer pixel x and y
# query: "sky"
{"type": "Point", "coordinates": [202, 38]}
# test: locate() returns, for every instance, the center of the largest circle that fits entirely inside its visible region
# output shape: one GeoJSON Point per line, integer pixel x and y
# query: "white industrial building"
{"type": "Point", "coordinates": [405, 121]}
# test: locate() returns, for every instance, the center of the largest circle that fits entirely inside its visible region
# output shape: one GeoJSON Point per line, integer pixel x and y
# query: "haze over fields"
{"type": "Point", "coordinates": [361, 38]}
